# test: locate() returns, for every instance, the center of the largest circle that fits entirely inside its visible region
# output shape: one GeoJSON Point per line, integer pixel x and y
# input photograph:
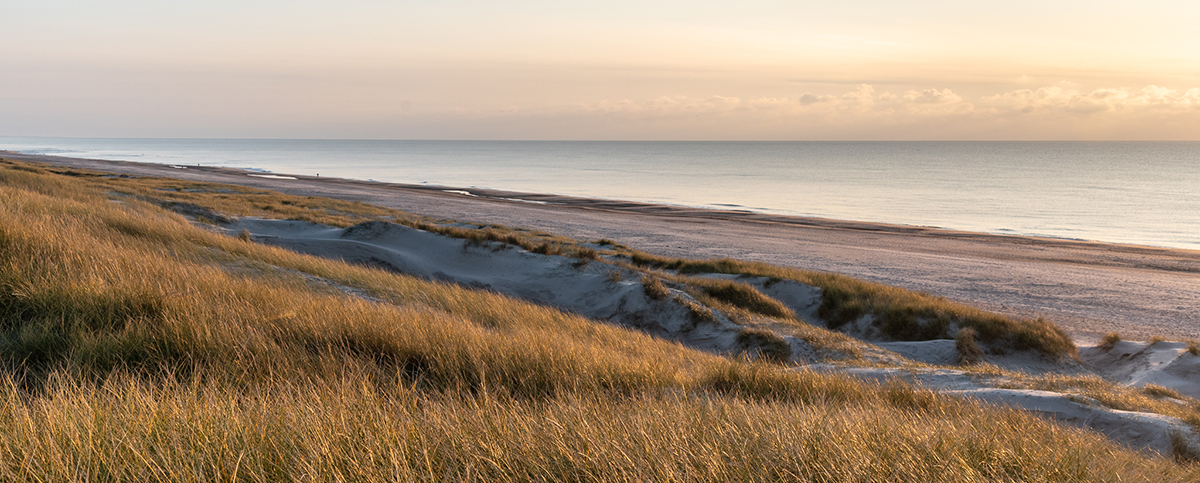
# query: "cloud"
{"type": "Point", "coordinates": [808, 99]}
{"type": "Point", "coordinates": [932, 96]}
{"type": "Point", "coordinates": [1059, 99]}
{"type": "Point", "coordinates": [864, 112]}
{"type": "Point", "coordinates": [864, 100]}
{"type": "Point", "coordinates": [1052, 112]}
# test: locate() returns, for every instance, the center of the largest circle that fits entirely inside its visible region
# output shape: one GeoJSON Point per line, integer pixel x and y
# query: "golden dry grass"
{"type": "Point", "coordinates": [654, 288]}
{"type": "Point", "coordinates": [737, 294]}
{"type": "Point", "coordinates": [350, 430]}
{"type": "Point", "coordinates": [901, 314]}
{"type": "Point", "coordinates": [135, 346]}
{"type": "Point", "coordinates": [968, 351]}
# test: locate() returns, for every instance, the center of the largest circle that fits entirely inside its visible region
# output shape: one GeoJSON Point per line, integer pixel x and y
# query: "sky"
{"type": "Point", "coordinates": [623, 70]}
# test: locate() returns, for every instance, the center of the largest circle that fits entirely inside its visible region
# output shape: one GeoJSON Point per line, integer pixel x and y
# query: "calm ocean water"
{"type": "Point", "coordinates": [1127, 192]}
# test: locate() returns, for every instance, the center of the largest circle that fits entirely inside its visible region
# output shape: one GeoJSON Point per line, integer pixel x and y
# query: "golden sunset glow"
{"type": "Point", "coordinates": [618, 70]}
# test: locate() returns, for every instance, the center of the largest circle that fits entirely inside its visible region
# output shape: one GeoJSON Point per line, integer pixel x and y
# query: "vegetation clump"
{"type": "Point", "coordinates": [900, 314]}
{"type": "Point", "coordinates": [744, 296]}
{"type": "Point", "coordinates": [654, 288]}
{"type": "Point", "coordinates": [614, 276]}
{"type": "Point", "coordinates": [765, 344]}
{"type": "Point", "coordinates": [584, 253]}
{"type": "Point", "coordinates": [547, 248]}
{"type": "Point", "coordinates": [1155, 390]}
{"type": "Point", "coordinates": [696, 313]}
{"type": "Point", "coordinates": [968, 350]}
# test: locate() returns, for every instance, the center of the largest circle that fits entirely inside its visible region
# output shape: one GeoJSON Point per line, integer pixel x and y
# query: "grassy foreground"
{"type": "Point", "coordinates": [134, 346]}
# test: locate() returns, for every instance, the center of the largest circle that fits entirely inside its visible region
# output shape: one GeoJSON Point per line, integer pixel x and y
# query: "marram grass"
{"type": "Point", "coordinates": [899, 313]}
{"type": "Point", "coordinates": [135, 347]}
{"type": "Point", "coordinates": [353, 429]}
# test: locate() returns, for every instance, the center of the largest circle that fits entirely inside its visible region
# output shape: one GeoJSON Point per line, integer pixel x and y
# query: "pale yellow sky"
{"type": "Point", "coordinates": [618, 70]}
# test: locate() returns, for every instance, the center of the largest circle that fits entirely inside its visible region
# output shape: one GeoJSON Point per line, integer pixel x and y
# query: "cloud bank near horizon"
{"type": "Point", "coordinates": [1043, 113]}
{"type": "Point", "coordinates": [863, 112]}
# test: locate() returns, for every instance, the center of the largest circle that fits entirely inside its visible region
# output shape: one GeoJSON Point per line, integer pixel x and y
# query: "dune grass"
{"type": "Point", "coordinates": [899, 313]}
{"type": "Point", "coordinates": [968, 351]}
{"type": "Point", "coordinates": [739, 295]}
{"type": "Point", "coordinates": [345, 430]}
{"type": "Point", "coordinates": [654, 288]}
{"type": "Point", "coordinates": [767, 344]}
{"type": "Point", "coordinates": [135, 346]}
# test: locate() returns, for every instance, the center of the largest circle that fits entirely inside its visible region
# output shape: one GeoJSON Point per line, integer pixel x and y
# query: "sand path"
{"type": "Point", "coordinates": [1088, 288]}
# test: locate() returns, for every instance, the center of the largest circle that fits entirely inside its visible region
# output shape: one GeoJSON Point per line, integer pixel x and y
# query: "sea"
{"type": "Point", "coordinates": [1145, 193]}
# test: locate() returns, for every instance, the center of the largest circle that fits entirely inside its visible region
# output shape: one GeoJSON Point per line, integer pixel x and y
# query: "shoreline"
{"type": "Point", "coordinates": [603, 201]}
{"type": "Point", "coordinates": [1087, 287]}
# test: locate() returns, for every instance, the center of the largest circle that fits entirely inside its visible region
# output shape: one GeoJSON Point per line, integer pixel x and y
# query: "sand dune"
{"type": "Point", "coordinates": [614, 294]}
{"type": "Point", "coordinates": [1089, 289]}
{"type": "Point", "coordinates": [1168, 364]}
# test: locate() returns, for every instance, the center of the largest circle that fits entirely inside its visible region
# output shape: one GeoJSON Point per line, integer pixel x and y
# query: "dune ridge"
{"type": "Point", "coordinates": [1089, 289]}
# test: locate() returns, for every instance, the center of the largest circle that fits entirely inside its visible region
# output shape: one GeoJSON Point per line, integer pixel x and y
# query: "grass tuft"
{"type": "Point", "coordinates": [696, 313]}
{"type": "Point", "coordinates": [614, 276]}
{"type": "Point", "coordinates": [584, 253]}
{"type": "Point", "coordinates": [969, 352]}
{"type": "Point", "coordinates": [547, 248]}
{"type": "Point", "coordinates": [1182, 451]}
{"type": "Point", "coordinates": [654, 288]}
{"type": "Point", "coordinates": [767, 345]}
{"type": "Point", "coordinates": [1155, 390]}
{"type": "Point", "coordinates": [743, 296]}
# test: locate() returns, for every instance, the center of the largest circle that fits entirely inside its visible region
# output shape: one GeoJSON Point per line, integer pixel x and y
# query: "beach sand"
{"type": "Point", "coordinates": [1087, 288]}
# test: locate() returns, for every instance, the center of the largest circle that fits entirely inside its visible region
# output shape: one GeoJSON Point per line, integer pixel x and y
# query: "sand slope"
{"type": "Point", "coordinates": [607, 292]}
{"type": "Point", "coordinates": [1167, 364]}
{"type": "Point", "coordinates": [589, 288]}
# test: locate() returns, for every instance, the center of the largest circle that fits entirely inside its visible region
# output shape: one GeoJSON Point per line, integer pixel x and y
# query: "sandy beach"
{"type": "Point", "coordinates": [1087, 288]}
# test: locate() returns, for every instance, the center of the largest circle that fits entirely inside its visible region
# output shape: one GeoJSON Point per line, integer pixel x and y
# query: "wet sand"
{"type": "Point", "coordinates": [1088, 288]}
